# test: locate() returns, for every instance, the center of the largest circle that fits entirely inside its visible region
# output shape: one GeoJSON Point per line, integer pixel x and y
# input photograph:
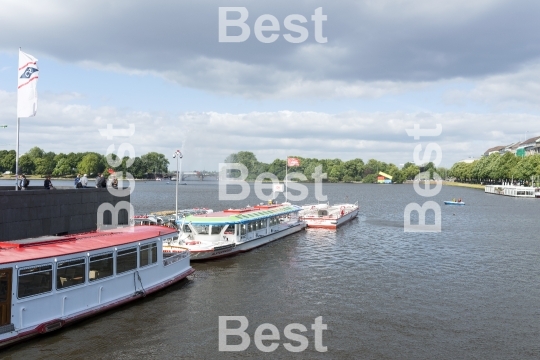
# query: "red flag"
{"type": "Point", "coordinates": [111, 171]}
{"type": "Point", "coordinates": [293, 162]}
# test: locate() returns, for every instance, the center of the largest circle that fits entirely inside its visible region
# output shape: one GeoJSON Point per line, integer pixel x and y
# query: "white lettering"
{"type": "Point", "coordinates": [318, 18]}
{"type": "Point", "coordinates": [260, 28]}
{"type": "Point", "coordinates": [259, 337]}
{"type": "Point", "coordinates": [295, 337]}
{"type": "Point", "coordinates": [318, 327]}
{"type": "Point", "coordinates": [430, 148]}
{"type": "Point", "coordinates": [417, 132]}
{"type": "Point", "coordinates": [296, 186]}
{"type": "Point", "coordinates": [422, 227]}
{"type": "Point", "coordinates": [304, 34]}
{"type": "Point", "coordinates": [110, 132]}
{"type": "Point", "coordinates": [224, 332]}
{"type": "Point", "coordinates": [318, 176]}
{"type": "Point", "coordinates": [259, 186]}
{"type": "Point", "coordinates": [224, 180]}
{"type": "Point", "coordinates": [121, 150]}
{"type": "Point", "coordinates": [224, 23]}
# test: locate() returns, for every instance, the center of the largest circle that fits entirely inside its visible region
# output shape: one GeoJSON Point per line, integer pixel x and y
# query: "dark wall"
{"type": "Point", "coordinates": [38, 212]}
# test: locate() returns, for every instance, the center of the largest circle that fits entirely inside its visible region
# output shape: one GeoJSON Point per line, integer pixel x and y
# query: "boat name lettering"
{"type": "Point", "coordinates": [240, 332]}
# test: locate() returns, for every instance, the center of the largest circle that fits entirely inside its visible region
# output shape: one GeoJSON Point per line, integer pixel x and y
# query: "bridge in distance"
{"type": "Point", "coordinates": [199, 175]}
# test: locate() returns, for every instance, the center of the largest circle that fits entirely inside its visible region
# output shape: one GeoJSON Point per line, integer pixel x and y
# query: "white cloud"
{"type": "Point", "coordinates": [207, 138]}
{"type": "Point", "coordinates": [509, 91]}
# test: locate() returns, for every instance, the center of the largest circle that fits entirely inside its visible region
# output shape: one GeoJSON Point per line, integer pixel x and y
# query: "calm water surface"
{"type": "Point", "coordinates": [471, 291]}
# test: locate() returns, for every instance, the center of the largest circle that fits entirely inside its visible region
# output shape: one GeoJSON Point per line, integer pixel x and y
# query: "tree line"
{"type": "Point", "coordinates": [337, 170]}
{"type": "Point", "coordinates": [38, 162]}
{"type": "Point", "coordinates": [497, 168]}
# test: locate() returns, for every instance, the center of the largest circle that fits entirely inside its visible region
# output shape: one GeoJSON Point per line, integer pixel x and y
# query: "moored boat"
{"type": "Point", "coordinates": [513, 190]}
{"type": "Point", "coordinates": [328, 216]}
{"type": "Point", "coordinates": [49, 282]}
{"type": "Point", "coordinates": [228, 232]}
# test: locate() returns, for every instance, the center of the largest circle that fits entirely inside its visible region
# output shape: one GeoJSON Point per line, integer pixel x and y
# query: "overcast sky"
{"type": "Point", "coordinates": [472, 66]}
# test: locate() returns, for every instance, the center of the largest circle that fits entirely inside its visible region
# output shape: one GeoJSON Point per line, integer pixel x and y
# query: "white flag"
{"type": "Point", "coordinates": [26, 92]}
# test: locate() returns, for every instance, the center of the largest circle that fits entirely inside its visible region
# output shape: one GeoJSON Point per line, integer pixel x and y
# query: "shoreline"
{"type": "Point", "coordinates": [470, 186]}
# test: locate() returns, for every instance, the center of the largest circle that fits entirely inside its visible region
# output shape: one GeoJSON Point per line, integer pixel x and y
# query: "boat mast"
{"type": "Point", "coordinates": [178, 155]}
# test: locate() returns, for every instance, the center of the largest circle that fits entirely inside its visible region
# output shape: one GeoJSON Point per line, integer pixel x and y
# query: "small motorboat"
{"type": "Point", "coordinates": [454, 203]}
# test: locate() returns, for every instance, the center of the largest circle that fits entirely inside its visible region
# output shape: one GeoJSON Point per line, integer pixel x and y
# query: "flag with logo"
{"type": "Point", "coordinates": [26, 91]}
{"type": "Point", "coordinates": [293, 162]}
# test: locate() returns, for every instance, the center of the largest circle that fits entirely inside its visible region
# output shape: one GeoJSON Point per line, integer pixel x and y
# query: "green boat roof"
{"type": "Point", "coordinates": [239, 216]}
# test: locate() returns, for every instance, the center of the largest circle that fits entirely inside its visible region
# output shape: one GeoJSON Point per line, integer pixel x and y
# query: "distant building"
{"type": "Point", "coordinates": [496, 149]}
{"type": "Point", "coordinates": [523, 148]}
{"type": "Point", "coordinates": [384, 178]}
{"type": "Point", "coordinates": [468, 161]}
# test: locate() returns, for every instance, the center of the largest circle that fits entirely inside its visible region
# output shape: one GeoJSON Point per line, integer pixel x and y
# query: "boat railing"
{"type": "Point", "coordinates": [169, 260]}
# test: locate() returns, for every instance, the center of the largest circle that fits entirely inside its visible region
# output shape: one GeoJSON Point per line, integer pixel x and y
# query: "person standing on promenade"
{"type": "Point", "coordinates": [47, 183]}
{"type": "Point", "coordinates": [99, 179]}
{"type": "Point", "coordinates": [84, 181]}
{"type": "Point", "coordinates": [77, 181]}
{"type": "Point", "coordinates": [24, 182]}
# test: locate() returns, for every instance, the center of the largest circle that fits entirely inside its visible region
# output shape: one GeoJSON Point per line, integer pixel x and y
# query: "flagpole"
{"type": "Point", "coordinates": [286, 169]}
{"type": "Point", "coordinates": [17, 157]}
{"type": "Point", "coordinates": [17, 142]}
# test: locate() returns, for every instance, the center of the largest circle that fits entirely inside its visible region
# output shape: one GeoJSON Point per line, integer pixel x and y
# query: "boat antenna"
{"type": "Point", "coordinates": [178, 155]}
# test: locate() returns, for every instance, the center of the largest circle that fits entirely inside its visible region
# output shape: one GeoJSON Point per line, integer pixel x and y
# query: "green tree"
{"type": "Point", "coordinates": [26, 164]}
{"type": "Point", "coordinates": [35, 153]}
{"type": "Point", "coordinates": [62, 167]}
{"type": "Point", "coordinates": [45, 165]}
{"type": "Point", "coordinates": [155, 163]}
{"type": "Point", "coordinates": [8, 161]}
{"type": "Point", "coordinates": [91, 164]}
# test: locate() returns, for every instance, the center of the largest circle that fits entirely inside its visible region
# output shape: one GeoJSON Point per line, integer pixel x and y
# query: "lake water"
{"type": "Point", "coordinates": [470, 291]}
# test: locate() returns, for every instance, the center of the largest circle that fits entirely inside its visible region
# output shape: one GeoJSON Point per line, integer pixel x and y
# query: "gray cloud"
{"type": "Point", "coordinates": [390, 45]}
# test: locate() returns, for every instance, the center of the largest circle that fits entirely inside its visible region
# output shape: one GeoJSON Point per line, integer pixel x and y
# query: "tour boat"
{"type": "Point", "coordinates": [228, 232]}
{"type": "Point", "coordinates": [49, 282]}
{"type": "Point", "coordinates": [328, 216]}
{"type": "Point", "coordinates": [513, 190]}
{"type": "Point", "coordinates": [454, 203]}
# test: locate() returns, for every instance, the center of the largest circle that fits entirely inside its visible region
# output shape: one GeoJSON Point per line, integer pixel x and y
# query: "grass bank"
{"type": "Point", "coordinates": [472, 186]}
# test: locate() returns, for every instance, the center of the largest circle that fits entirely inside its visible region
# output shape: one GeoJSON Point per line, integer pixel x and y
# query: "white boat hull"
{"type": "Point", "coordinates": [222, 251]}
{"type": "Point", "coordinates": [330, 223]}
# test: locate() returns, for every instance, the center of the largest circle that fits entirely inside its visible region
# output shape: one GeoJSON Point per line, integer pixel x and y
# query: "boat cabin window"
{"type": "Point", "coordinates": [201, 229]}
{"type": "Point", "coordinates": [243, 229]}
{"type": "Point", "coordinates": [216, 229]}
{"type": "Point", "coordinates": [34, 280]}
{"type": "Point", "coordinates": [187, 229]}
{"type": "Point", "coordinates": [229, 230]}
{"type": "Point", "coordinates": [70, 273]}
{"type": "Point", "coordinates": [323, 213]}
{"type": "Point", "coordinates": [126, 260]}
{"type": "Point", "coordinates": [101, 266]}
{"type": "Point", "coordinates": [148, 254]}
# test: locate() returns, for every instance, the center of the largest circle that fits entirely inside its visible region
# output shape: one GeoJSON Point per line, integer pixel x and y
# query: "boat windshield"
{"type": "Point", "coordinates": [201, 229]}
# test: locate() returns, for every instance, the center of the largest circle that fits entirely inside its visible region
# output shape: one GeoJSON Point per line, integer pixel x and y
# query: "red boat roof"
{"type": "Point", "coordinates": [232, 212]}
{"type": "Point", "coordinates": [52, 246]}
